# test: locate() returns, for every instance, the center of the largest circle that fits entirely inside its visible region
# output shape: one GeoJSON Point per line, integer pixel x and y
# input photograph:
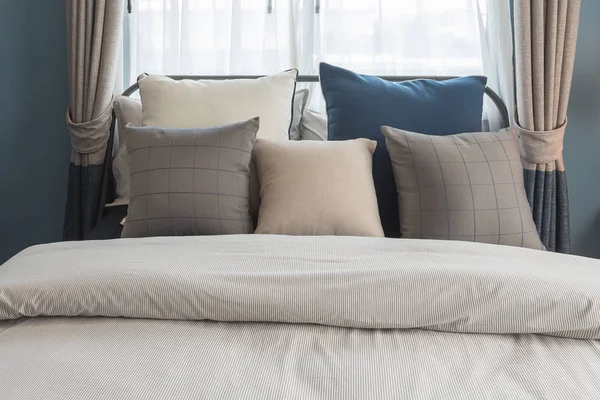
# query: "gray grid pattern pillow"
{"type": "Point", "coordinates": [189, 181]}
{"type": "Point", "coordinates": [461, 187]}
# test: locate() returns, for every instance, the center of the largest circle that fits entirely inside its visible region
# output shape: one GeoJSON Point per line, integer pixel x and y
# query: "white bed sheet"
{"type": "Point", "coordinates": [310, 318]}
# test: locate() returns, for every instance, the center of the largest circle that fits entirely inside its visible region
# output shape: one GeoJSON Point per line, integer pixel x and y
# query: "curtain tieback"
{"type": "Point", "coordinates": [91, 136]}
{"type": "Point", "coordinates": [542, 147]}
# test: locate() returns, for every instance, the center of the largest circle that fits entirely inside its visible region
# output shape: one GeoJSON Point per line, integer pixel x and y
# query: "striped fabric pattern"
{"type": "Point", "coordinates": [117, 358]}
{"type": "Point", "coordinates": [173, 290]}
{"type": "Point", "coordinates": [337, 281]}
{"type": "Point", "coordinates": [320, 290]}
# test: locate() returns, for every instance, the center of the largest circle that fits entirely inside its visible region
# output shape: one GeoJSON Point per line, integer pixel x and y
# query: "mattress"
{"type": "Point", "coordinates": [258, 316]}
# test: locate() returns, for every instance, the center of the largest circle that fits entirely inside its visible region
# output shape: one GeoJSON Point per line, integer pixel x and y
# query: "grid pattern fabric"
{"type": "Point", "coordinates": [462, 187]}
{"type": "Point", "coordinates": [189, 181]}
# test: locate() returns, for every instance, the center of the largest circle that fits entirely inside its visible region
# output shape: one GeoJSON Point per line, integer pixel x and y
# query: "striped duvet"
{"type": "Point", "coordinates": [281, 317]}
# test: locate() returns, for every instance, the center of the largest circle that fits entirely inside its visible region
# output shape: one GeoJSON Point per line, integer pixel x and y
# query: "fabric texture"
{"type": "Point", "coordinates": [300, 100]}
{"type": "Point", "coordinates": [461, 187]}
{"type": "Point", "coordinates": [93, 34]}
{"type": "Point", "coordinates": [317, 188]}
{"type": "Point", "coordinates": [189, 181]}
{"type": "Point", "coordinates": [204, 104]}
{"type": "Point", "coordinates": [97, 358]}
{"type": "Point", "coordinates": [256, 279]}
{"type": "Point", "coordinates": [351, 282]}
{"type": "Point", "coordinates": [545, 43]}
{"type": "Point", "coordinates": [314, 126]}
{"type": "Point", "coordinates": [127, 111]}
{"type": "Point", "coordinates": [358, 105]}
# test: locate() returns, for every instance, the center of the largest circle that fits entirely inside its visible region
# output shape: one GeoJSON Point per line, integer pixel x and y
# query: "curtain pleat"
{"type": "Point", "coordinates": [546, 187]}
{"type": "Point", "coordinates": [93, 36]}
{"type": "Point", "coordinates": [545, 43]}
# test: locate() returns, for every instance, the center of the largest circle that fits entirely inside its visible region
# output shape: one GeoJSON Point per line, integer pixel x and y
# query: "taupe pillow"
{"type": "Point", "coordinates": [300, 100]}
{"type": "Point", "coordinates": [189, 181]}
{"type": "Point", "coordinates": [461, 187]}
{"type": "Point", "coordinates": [317, 188]}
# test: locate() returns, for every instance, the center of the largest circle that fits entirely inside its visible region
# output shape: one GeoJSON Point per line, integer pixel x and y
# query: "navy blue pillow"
{"type": "Point", "coordinates": [358, 105]}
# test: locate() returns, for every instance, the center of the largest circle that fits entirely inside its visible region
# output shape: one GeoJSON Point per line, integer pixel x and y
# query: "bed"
{"type": "Point", "coordinates": [296, 317]}
{"type": "Point", "coordinates": [256, 316]}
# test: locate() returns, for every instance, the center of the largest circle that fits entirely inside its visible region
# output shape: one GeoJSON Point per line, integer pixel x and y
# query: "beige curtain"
{"type": "Point", "coordinates": [545, 42]}
{"type": "Point", "coordinates": [93, 38]}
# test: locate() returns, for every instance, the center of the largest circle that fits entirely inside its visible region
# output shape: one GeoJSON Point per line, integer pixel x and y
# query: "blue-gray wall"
{"type": "Point", "coordinates": [34, 144]}
{"type": "Point", "coordinates": [582, 140]}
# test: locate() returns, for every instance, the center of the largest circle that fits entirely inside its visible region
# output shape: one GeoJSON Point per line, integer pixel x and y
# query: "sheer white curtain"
{"type": "Point", "coordinates": [211, 37]}
{"type": "Point", "coordinates": [496, 35]}
{"type": "Point", "coordinates": [391, 37]}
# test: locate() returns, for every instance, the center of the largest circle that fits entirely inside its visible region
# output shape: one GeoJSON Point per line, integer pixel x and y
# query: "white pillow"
{"type": "Point", "coordinates": [204, 104]}
{"type": "Point", "coordinates": [128, 111]}
{"type": "Point", "coordinates": [300, 100]}
{"type": "Point", "coordinates": [313, 126]}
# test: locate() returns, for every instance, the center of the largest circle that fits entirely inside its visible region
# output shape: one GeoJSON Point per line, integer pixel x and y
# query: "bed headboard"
{"type": "Point", "coordinates": [493, 96]}
{"type": "Point", "coordinates": [108, 181]}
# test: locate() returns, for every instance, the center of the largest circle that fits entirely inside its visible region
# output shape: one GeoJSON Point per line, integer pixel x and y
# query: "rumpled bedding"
{"type": "Point", "coordinates": [258, 316]}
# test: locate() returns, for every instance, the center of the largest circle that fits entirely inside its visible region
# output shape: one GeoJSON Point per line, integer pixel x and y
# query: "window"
{"type": "Point", "coordinates": [382, 37]}
{"type": "Point", "coordinates": [393, 37]}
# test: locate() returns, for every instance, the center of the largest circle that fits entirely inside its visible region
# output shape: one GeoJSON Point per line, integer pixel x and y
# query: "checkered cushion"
{"type": "Point", "coordinates": [189, 181]}
{"type": "Point", "coordinates": [461, 187]}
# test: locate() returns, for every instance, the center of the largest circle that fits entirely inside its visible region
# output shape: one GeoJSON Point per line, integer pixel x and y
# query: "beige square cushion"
{"type": "Point", "coordinates": [461, 187]}
{"type": "Point", "coordinates": [317, 188]}
{"type": "Point", "coordinates": [189, 181]}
